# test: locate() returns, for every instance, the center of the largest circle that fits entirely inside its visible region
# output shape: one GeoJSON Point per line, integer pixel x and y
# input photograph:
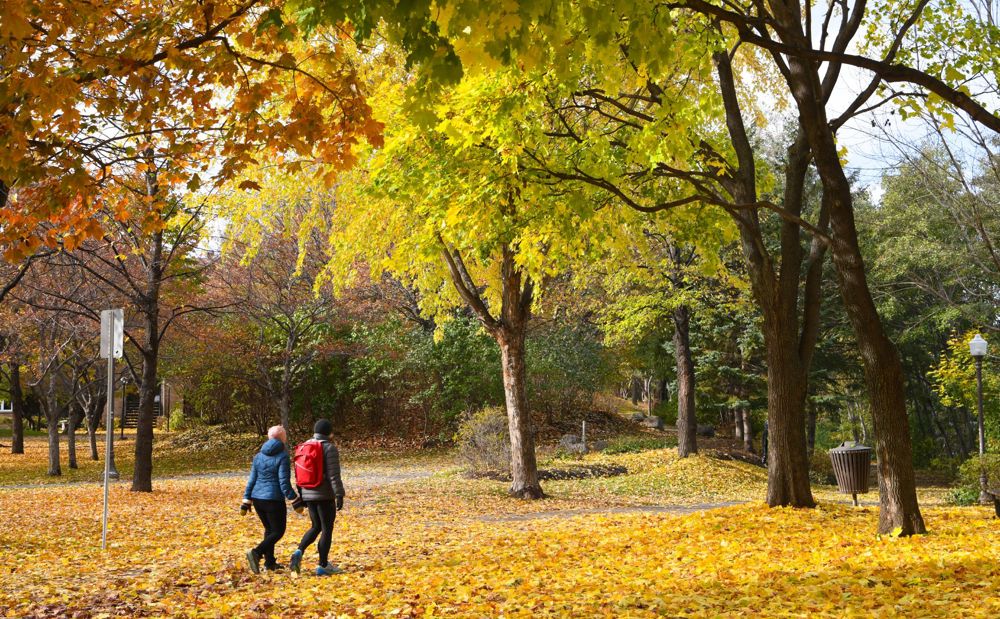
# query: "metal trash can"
{"type": "Point", "coordinates": [851, 465]}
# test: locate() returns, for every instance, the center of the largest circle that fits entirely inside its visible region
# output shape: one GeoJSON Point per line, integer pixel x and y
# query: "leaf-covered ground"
{"type": "Point", "coordinates": [31, 467]}
{"type": "Point", "coordinates": [446, 546]}
{"type": "Point", "coordinates": [204, 450]}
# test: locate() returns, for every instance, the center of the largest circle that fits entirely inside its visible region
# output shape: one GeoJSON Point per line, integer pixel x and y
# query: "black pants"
{"type": "Point", "coordinates": [322, 514]}
{"type": "Point", "coordinates": [274, 515]}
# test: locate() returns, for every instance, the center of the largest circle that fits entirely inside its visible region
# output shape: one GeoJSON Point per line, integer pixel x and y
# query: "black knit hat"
{"type": "Point", "coordinates": [324, 427]}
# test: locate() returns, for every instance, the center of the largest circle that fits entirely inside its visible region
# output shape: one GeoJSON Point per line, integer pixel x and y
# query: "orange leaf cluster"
{"type": "Point", "coordinates": [96, 93]}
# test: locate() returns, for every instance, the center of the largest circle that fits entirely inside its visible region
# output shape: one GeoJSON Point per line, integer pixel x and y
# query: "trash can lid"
{"type": "Point", "coordinates": [850, 446]}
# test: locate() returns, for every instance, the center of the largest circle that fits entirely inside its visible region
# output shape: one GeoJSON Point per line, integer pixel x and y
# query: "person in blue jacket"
{"type": "Point", "coordinates": [268, 486]}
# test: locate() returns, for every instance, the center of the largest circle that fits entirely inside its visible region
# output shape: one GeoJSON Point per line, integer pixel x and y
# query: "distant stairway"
{"type": "Point", "coordinates": [131, 419]}
{"type": "Point", "coordinates": [131, 416]}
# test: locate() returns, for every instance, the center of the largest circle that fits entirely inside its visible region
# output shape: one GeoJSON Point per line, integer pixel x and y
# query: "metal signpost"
{"type": "Point", "coordinates": [112, 338]}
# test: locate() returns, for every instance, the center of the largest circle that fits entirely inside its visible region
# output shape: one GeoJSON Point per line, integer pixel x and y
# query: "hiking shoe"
{"type": "Point", "coordinates": [296, 563]}
{"type": "Point", "coordinates": [328, 570]}
{"type": "Point", "coordinates": [253, 560]}
{"type": "Point", "coordinates": [277, 567]}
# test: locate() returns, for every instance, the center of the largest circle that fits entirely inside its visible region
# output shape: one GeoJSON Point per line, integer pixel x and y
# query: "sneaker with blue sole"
{"type": "Point", "coordinates": [296, 563]}
{"type": "Point", "coordinates": [328, 570]}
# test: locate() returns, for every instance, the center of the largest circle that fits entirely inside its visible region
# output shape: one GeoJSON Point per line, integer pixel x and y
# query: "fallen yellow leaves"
{"type": "Point", "coordinates": [169, 459]}
{"type": "Point", "coordinates": [204, 450]}
{"type": "Point", "coordinates": [432, 548]}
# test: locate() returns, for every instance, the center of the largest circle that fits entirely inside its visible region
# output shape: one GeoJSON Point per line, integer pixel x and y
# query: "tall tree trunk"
{"type": "Point", "coordinates": [93, 420]}
{"type": "Point", "coordinates": [142, 477]}
{"type": "Point", "coordinates": [787, 461]}
{"type": "Point", "coordinates": [524, 468]}
{"type": "Point", "coordinates": [53, 427]}
{"type": "Point", "coordinates": [149, 305]}
{"type": "Point", "coordinates": [17, 404]}
{"type": "Point", "coordinates": [687, 421]}
{"type": "Point", "coordinates": [73, 418]}
{"type": "Point", "coordinates": [883, 369]}
{"type": "Point", "coordinates": [648, 388]}
{"type": "Point", "coordinates": [517, 295]}
{"type": "Point", "coordinates": [776, 289]}
{"type": "Point", "coordinates": [508, 330]}
{"type": "Point", "coordinates": [747, 430]}
{"type": "Point", "coordinates": [52, 419]}
{"type": "Point", "coordinates": [743, 421]}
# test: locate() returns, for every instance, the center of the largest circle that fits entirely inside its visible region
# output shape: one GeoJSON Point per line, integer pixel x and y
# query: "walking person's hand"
{"type": "Point", "coordinates": [245, 507]}
{"type": "Point", "coordinates": [298, 504]}
{"type": "Point", "coordinates": [340, 503]}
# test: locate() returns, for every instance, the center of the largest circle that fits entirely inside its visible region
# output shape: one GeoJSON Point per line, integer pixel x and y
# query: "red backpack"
{"type": "Point", "coordinates": [309, 464]}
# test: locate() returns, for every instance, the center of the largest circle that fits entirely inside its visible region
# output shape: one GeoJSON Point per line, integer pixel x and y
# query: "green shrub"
{"type": "Point", "coordinates": [405, 371]}
{"type": "Point", "coordinates": [181, 422]}
{"type": "Point", "coordinates": [924, 450]}
{"type": "Point", "coordinates": [667, 411]}
{"type": "Point", "coordinates": [636, 444]}
{"type": "Point", "coordinates": [964, 495]}
{"type": "Point", "coordinates": [968, 472]}
{"type": "Point", "coordinates": [820, 468]}
{"type": "Point", "coordinates": [177, 419]}
{"type": "Point", "coordinates": [567, 365]}
{"type": "Point", "coordinates": [484, 441]}
{"type": "Point", "coordinates": [944, 465]}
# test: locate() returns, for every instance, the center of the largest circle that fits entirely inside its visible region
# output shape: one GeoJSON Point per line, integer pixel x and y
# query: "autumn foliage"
{"type": "Point", "coordinates": [96, 90]}
{"type": "Point", "coordinates": [395, 214]}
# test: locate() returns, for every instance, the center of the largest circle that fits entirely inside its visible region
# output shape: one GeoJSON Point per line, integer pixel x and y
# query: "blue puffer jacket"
{"type": "Point", "coordinates": [270, 474]}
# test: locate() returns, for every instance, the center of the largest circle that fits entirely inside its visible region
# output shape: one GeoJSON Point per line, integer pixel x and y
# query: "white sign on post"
{"type": "Point", "coordinates": [112, 340]}
{"type": "Point", "coordinates": [112, 333]}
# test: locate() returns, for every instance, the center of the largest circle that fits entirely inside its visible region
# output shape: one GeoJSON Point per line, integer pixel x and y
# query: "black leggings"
{"type": "Point", "coordinates": [274, 515]}
{"type": "Point", "coordinates": [322, 514]}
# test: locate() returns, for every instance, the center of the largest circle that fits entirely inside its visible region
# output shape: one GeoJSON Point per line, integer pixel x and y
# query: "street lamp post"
{"type": "Point", "coordinates": [977, 348]}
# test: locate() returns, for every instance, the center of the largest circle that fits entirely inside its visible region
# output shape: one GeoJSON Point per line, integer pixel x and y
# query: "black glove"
{"type": "Point", "coordinates": [298, 504]}
{"type": "Point", "coordinates": [340, 503]}
{"type": "Point", "coordinates": [245, 507]}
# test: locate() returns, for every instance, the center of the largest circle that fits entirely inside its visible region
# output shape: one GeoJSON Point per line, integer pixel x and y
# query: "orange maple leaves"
{"type": "Point", "coordinates": [93, 92]}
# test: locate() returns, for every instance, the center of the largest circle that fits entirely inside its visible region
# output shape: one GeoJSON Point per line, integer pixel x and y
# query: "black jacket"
{"type": "Point", "coordinates": [331, 486]}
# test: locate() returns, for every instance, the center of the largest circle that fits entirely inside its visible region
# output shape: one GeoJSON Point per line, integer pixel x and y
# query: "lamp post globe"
{"type": "Point", "coordinates": [977, 348]}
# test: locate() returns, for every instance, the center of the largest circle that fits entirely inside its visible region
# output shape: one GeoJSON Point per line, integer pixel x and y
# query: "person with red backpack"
{"type": "Point", "coordinates": [317, 474]}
